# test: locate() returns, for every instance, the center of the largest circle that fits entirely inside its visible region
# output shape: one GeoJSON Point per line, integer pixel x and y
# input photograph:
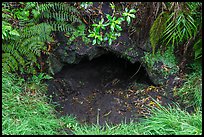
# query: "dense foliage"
{"type": "Point", "coordinates": [24, 44]}
{"type": "Point", "coordinates": [27, 27]}
{"type": "Point", "coordinates": [179, 25]}
{"type": "Point", "coordinates": [28, 35]}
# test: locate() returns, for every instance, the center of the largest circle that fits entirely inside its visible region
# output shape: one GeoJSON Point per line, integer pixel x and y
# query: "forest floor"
{"type": "Point", "coordinates": [104, 90]}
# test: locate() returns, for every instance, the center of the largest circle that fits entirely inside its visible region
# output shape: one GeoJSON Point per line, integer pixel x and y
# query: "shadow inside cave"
{"type": "Point", "coordinates": [105, 89]}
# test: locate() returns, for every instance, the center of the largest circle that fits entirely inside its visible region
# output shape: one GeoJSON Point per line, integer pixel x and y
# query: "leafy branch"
{"type": "Point", "coordinates": [112, 26]}
{"type": "Point", "coordinates": [128, 14]}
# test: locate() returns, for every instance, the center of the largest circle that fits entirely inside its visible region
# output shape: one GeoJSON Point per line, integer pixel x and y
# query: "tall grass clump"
{"type": "Point", "coordinates": [173, 121]}
{"type": "Point", "coordinates": [191, 92]}
{"type": "Point", "coordinates": [25, 112]}
{"type": "Point", "coordinates": [164, 121]}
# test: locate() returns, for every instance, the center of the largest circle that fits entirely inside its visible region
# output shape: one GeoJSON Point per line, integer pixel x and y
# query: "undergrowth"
{"type": "Point", "coordinates": [167, 58]}
{"type": "Point", "coordinates": [22, 53]}
{"type": "Point", "coordinates": [191, 92]}
{"type": "Point", "coordinates": [165, 121]}
{"type": "Point", "coordinates": [26, 111]}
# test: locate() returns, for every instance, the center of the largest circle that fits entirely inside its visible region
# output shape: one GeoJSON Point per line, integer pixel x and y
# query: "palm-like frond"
{"type": "Point", "coordinates": [157, 29]}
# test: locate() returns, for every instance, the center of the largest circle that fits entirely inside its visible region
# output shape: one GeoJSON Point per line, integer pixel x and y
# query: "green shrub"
{"type": "Point", "coordinates": [112, 26]}
{"type": "Point", "coordinates": [191, 92]}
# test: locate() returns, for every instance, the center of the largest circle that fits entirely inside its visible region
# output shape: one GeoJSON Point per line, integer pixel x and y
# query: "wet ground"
{"type": "Point", "coordinates": [105, 89]}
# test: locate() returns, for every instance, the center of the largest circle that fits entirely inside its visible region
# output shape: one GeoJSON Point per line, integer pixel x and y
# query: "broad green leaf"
{"type": "Point", "coordinates": [112, 27]}
{"type": "Point", "coordinates": [14, 32]}
{"type": "Point", "coordinates": [105, 24]}
{"type": "Point", "coordinates": [100, 38]}
{"type": "Point", "coordinates": [108, 17]}
{"type": "Point", "coordinates": [113, 37]}
{"type": "Point", "coordinates": [121, 19]}
{"type": "Point", "coordinates": [94, 25]}
{"type": "Point", "coordinates": [125, 14]}
{"type": "Point", "coordinates": [128, 19]}
{"type": "Point", "coordinates": [102, 27]}
{"type": "Point", "coordinates": [97, 29]}
{"type": "Point", "coordinates": [132, 11]}
{"type": "Point", "coordinates": [94, 42]}
{"type": "Point", "coordinates": [98, 42]}
{"type": "Point", "coordinates": [91, 35]}
{"type": "Point", "coordinates": [117, 34]}
{"type": "Point", "coordinates": [118, 27]}
{"type": "Point", "coordinates": [132, 15]}
{"type": "Point", "coordinates": [110, 41]}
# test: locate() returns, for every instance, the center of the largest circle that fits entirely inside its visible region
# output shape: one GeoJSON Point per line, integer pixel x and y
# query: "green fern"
{"type": "Point", "coordinates": [10, 61]}
{"type": "Point", "coordinates": [61, 26]}
{"type": "Point", "coordinates": [21, 54]}
{"type": "Point", "coordinates": [18, 57]}
{"type": "Point", "coordinates": [157, 29]}
{"type": "Point", "coordinates": [61, 6]}
{"type": "Point", "coordinates": [183, 23]}
{"type": "Point", "coordinates": [61, 16]}
{"type": "Point", "coordinates": [179, 28]}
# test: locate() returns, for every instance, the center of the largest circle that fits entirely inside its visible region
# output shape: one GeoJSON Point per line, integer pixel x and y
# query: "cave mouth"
{"type": "Point", "coordinates": [98, 91]}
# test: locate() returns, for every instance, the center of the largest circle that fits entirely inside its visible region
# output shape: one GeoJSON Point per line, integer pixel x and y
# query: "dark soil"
{"type": "Point", "coordinates": [105, 90]}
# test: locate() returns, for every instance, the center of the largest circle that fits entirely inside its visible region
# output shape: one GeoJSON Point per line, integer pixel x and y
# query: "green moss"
{"type": "Point", "coordinates": [167, 58]}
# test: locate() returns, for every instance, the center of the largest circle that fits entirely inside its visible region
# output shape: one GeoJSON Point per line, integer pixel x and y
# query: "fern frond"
{"type": "Point", "coordinates": [62, 26]}
{"type": "Point", "coordinates": [37, 47]}
{"type": "Point", "coordinates": [31, 58]}
{"type": "Point", "coordinates": [5, 67]}
{"type": "Point", "coordinates": [8, 48]}
{"type": "Point", "coordinates": [10, 60]}
{"type": "Point", "coordinates": [74, 19]}
{"type": "Point", "coordinates": [157, 29]}
{"type": "Point", "coordinates": [41, 30]}
{"type": "Point", "coordinates": [58, 6]}
{"type": "Point", "coordinates": [18, 57]}
{"type": "Point", "coordinates": [60, 15]}
{"type": "Point", "coordinates": [181, 26]}
{"type": "Point", "coordinates": [22, 53]}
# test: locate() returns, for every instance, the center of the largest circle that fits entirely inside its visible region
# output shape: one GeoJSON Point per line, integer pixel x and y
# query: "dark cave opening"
{"type": "Point", "coordinates": [110, 62]}
{"type": "Point", "coordinates": [100, 84]}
